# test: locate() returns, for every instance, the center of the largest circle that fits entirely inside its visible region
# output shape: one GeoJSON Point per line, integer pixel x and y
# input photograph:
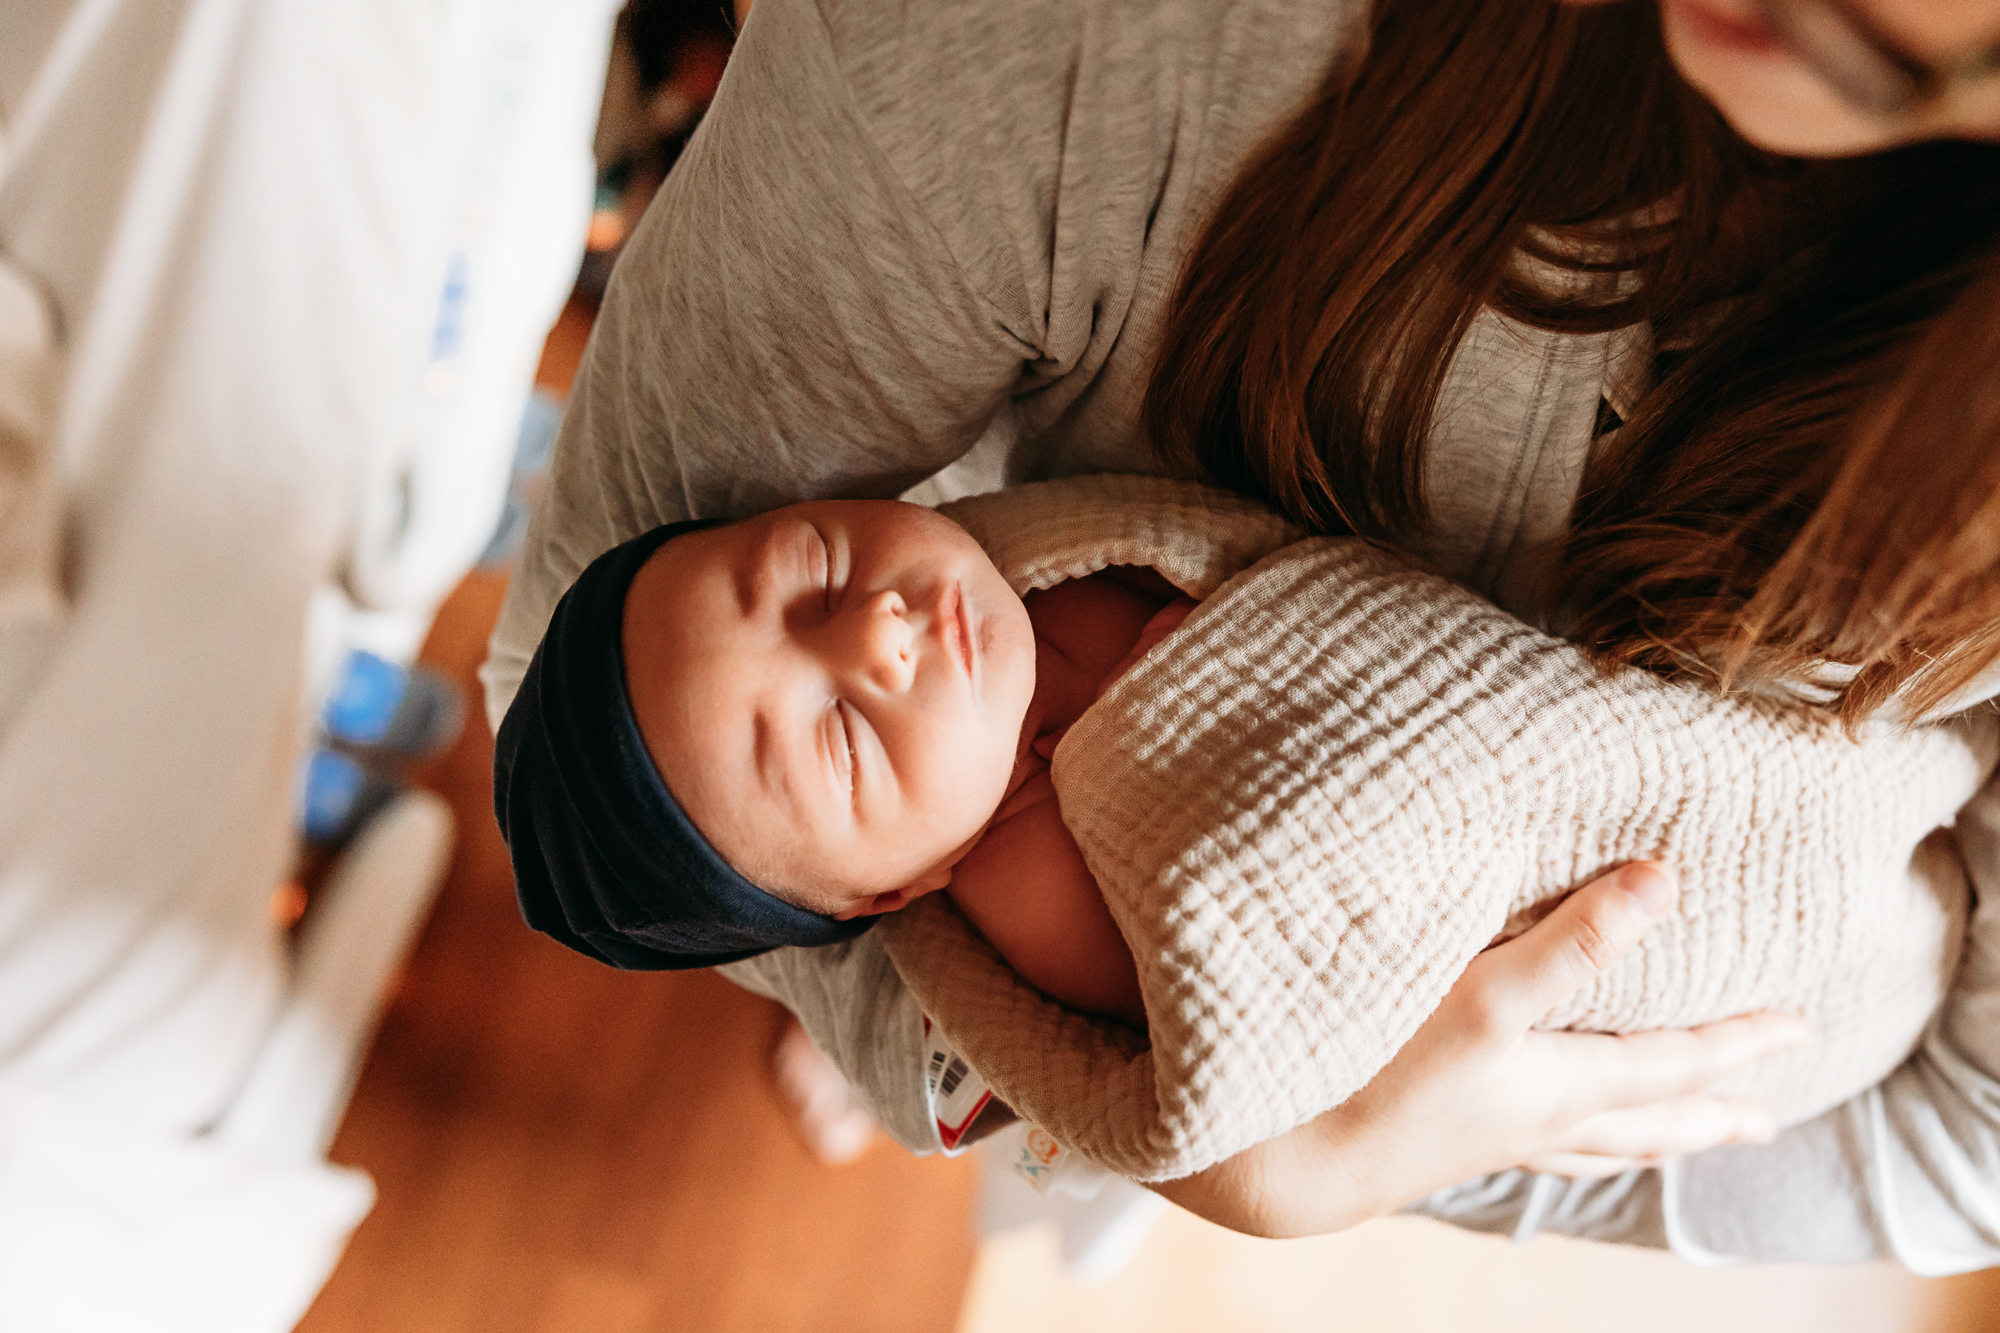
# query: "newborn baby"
{"type": "Point", "coordinates": [848, 708]}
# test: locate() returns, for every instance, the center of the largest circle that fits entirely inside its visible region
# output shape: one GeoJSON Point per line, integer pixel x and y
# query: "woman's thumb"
{"type": "Point", "coordinates": [1592, 929]}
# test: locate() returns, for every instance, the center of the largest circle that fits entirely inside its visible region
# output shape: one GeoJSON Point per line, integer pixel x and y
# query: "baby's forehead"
{"type": "Point", "coordinates": [683, 649]}
{"type": "Point", "coordinates": [689, 608]}
{"type": "Point", "coordinates": [704, 552]}
{"type": "Point", "coordinates": [705, 688]}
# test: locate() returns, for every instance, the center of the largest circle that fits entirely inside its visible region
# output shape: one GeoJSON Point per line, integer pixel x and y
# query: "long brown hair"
{"type": "Point", "coordinates": [1811, 491]}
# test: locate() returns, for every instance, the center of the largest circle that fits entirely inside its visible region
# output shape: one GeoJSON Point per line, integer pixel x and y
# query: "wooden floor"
{"type": "Point", "coordinates": [1406, 1275]}
{"type": "Point", "coordinates": [560, 1147]}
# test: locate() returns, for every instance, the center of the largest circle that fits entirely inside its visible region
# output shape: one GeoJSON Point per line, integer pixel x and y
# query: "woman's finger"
{"type": "Point", "coordinates": [1615, 1142]}
{"type": "Point", "coordinates": [1607, 1073]}
{"type": "Point", "coordinates": [1670, 1129]}
{"type": "Point", "coordinates": [1587, 1166]}
{"type": "Point", "coordinates": [1523, 979]}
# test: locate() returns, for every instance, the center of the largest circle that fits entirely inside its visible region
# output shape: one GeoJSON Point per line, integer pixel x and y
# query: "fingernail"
{"type": "Point", "coordinates": [1650, 887]}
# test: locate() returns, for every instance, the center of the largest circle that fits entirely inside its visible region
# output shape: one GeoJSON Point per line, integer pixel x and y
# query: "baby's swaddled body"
{"type": "Point", "coordinates": [1302, 867]}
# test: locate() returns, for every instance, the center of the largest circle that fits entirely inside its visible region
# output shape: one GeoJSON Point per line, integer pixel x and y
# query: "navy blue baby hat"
{"type": "Point", "coordinates": [604, 858]}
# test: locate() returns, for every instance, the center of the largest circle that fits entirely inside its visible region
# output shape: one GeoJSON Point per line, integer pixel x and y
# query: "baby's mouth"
{"type": "Point", "coordinates": [958, 633]}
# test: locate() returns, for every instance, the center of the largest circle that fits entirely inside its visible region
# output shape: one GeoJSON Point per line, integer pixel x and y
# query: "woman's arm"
{"type": "Point", "coordinates": [858, 1013]}
{"type": "Point", "coordinates": [895, 221]}
{"type": "Point", "coordinates": [787, 322]}
{"type": "Point", "coordinates": [1479, 1085]}
{"type": "Point", "coordinates": [1907, 1171]}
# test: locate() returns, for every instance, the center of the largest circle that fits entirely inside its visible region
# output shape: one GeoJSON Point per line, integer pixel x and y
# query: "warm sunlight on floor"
{"type": "Point", "coordinates": [1404, 1275]}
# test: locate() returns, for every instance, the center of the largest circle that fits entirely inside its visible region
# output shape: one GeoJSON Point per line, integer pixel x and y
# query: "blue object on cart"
{"type": "Point", "coordinates": [364, 699]}
{"type": "Point", "coordinates": [330, 794]}
{"type": "Point", "coordinates": [411, 713]}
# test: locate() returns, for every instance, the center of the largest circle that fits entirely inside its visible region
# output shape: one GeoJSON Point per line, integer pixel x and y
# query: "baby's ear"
{"type": "Point", "coordinates": [930, 882]}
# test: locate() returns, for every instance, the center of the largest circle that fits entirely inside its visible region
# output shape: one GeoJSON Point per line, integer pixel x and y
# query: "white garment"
{"type": "Point", "coordinates": [242, 215]}
{"type": "Point", "coordinates": [31, 596]}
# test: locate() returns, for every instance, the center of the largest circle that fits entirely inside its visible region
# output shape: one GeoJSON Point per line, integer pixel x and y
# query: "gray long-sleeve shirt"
{"type": "Point", "coordinates": [941, 234]}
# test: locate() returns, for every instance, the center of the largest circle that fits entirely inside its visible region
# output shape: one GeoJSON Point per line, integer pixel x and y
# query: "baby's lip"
{"type": "Point", "coordinates": [957, 632]}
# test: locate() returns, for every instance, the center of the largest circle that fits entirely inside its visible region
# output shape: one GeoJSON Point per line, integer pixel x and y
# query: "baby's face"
{"type": "Point", "coordinates": [834, 693]}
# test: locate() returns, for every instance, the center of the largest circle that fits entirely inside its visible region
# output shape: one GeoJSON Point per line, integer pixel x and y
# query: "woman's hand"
{"type": "Point", "coordinates": [1478, 1090]}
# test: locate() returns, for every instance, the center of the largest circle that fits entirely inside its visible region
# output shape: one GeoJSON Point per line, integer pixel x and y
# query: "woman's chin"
{"type": "Point", "coordinates": [1773, 101]}
{"type": "Point", "coordinates": [1846, 137]}
{"type": "Point", "coordinates": [1794, 117]}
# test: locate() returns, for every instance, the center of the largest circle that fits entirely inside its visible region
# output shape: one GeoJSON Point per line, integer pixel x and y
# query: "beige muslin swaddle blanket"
{"type": "Point", "coordinates": [1307, 832]}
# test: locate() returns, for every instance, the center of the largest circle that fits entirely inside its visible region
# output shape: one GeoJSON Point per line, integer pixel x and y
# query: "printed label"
{"type": "Point", "coordinates": [956, 1092]}
{"type": "Point", "coordinates": [1040, 1160]}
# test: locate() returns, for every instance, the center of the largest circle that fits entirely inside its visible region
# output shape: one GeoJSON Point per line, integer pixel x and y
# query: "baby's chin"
{"type": "Point", "coordinates": [1007, 650]}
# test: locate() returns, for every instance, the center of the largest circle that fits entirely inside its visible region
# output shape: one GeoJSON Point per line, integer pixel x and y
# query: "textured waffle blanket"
{"type": "Point", "coordinates": [1308, 825]}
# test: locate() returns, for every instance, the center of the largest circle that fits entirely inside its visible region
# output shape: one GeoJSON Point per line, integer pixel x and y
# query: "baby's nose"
{"type": "Point", "coordinates": [886, 642]}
